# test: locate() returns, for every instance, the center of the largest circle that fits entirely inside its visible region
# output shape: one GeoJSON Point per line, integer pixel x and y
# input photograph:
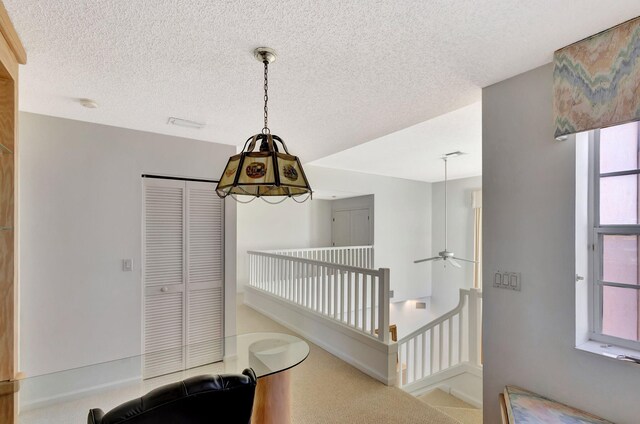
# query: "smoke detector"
{"type": "Point", "coordinates": [88, 103]}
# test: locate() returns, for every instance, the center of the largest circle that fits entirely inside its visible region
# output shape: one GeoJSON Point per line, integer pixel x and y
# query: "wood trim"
{"type": "Point", "coordinates": [8, 63]}
{"type": "Point", "coordinates": [503, 409]}
{"type": "Point", "coordinates": [9, 387]}
{"type": "Point", "coordinates": [11, 53]}
{"type": "Point", "coordinates": [8, 408]}
{"type": "Point", "coordinates": [11, 36]}
{"type": "Point", "coordinates": [8, 291]}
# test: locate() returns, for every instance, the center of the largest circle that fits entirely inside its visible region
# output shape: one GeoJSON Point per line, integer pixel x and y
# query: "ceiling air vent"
{"type": "Point", "coordinates": [185, 123]}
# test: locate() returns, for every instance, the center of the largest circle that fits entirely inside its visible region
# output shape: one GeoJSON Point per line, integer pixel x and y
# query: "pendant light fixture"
{"type": "Point", "coordinates": [270, 170]}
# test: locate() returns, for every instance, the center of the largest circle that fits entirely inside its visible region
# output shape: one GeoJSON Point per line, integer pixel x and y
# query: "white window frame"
{"type": "Point", "coordinates": [597, 232]}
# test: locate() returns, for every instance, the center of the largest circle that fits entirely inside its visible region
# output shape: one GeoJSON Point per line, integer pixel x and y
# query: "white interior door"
{"type": "Point", "coordinates": [359, 227]}
{"type": "Point", "coordinates": [340, 232]}
{"type": "Point", "coordinates": [182, 275]}
{"type": "Point", "coordinates": [163, 276]}
{"type": "Point", "coordinates": [351, 228]}
{"type": "Point", "coordinates": [205, 274]}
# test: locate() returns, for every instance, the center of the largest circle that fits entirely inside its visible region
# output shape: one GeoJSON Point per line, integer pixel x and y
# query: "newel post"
{"type": "Point", "coordinates": [474, 326]}
{"type": "Point", "coordinates": [383, 305]}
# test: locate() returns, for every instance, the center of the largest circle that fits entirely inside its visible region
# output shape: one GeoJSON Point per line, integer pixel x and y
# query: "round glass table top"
{"type": "Point", "coordinates": [269, 353]}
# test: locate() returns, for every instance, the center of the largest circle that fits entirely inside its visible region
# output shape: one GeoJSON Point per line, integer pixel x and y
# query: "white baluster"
{"type": "Point", "coordinates": [431, 350]}
{"type": "Point", "coordinates": [373, 308]}
{"type": "Point", "coordinates": [349, 299]}
{"type": "Point", "coordinates": [450, 341]}
{"type": "Point", "coordinates": [424, 354]}
{"type": "Point", "coordinates": [364, 302]}
{"type": "Point", "coordinates": [356, 277]}
{"type": "Point", "coordinates": [414, 367]}
{"type": "Point", "coordinates": [460, 334]}
{"type": "Point", "coordinates": [399, 366]}
{"type": "Point", "coordinates": [440, 345]}
{"type": "Point", "coordinates": [473, 327]}
{"type": "Point", "coordinates": [336, 287]}
{"type": "Point", "coordinates": [340, 290]}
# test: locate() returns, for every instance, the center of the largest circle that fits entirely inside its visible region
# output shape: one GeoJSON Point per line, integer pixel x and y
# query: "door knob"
{"type": "Point", "coordinates": [164, 289]}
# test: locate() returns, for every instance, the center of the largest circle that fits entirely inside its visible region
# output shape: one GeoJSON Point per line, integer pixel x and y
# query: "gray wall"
{"type": "Point", "coordinates": [80, 215]}
{"type": "Point", "coordinates": [447, 282]}
{"type": "Point", "coordinates": [529, 191]}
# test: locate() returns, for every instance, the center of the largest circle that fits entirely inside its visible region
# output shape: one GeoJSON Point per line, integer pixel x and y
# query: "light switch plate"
{"type": "Point", "coordinates": [507, 280]}
{"type": "Point", "coordinates": [390, 294]}
{"type": "Point", "coordinates": [127, 264]}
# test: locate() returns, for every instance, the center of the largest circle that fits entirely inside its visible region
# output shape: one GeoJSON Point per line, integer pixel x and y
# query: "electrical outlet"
{"type": "Point", "coordinates": [127, 264]}
{"type": "Point", "coordinates": [390, 294]}
{"type": "Point", "coordinates": [421, 305]}
{"type": "Point", "coordinates": [507, 280]}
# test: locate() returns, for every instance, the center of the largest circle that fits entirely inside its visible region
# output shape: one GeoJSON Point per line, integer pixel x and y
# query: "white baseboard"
{"type": "Point", "coordinates": [463, 395]}
{"type": "Point", "coordinates": [325, 333]}
{"type": "Point", "coordinates": [41, 402]}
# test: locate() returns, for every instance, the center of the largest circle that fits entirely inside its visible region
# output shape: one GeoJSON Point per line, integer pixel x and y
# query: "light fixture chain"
{"type": "Point", "coordinates": [266, 130]}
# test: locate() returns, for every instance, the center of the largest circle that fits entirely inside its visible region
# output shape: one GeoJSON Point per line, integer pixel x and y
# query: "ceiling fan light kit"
{"type": "Point", "coordinates": [445, 255]}
{"type": "Point", "coordinates": [269, 171]}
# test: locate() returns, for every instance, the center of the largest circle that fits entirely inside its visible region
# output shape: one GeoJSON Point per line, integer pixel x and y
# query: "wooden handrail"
{"type": "Point", "coordinates": [432, 348]}
{"type": "Point", "coordinates": [463, 295]}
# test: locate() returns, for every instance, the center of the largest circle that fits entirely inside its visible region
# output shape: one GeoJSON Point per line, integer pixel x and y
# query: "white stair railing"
{"type": "Point", "coordinates": [450, 340]}
{"type": "Point", "coordinates": [358, 256]}
{"type": "Point", "coordinates": [357, 297]}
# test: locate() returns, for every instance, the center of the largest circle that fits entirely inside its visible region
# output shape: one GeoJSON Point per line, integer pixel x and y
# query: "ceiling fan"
{"type": "Point", "coordinates": [446, 255]}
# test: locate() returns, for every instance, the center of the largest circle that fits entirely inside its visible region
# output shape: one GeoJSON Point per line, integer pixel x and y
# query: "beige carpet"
{"type": "Point", "coordinates": [328, 390]}
{"type": "Point", "coordinates": [453, 407]}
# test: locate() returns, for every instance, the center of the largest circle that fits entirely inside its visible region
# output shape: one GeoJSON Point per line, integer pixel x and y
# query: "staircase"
{"type": "Point", "coordinates": [455, 408]}
{"type": "Point", "coordinates": [446, 352]}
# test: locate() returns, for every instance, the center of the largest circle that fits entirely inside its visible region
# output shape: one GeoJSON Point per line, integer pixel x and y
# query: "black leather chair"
{"type": "Point", "coordinates": [204, 399]}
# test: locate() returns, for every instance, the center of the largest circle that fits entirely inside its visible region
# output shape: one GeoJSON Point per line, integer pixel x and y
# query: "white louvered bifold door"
{"type": "Point", "coordinates": [205, 274]}
{"type": "Point", "coordinates": [183, 275]}
{"type": "Point", "coordinates": [163, 276]}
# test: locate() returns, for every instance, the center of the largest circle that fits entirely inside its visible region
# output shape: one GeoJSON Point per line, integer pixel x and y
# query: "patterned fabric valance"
{"type": "Point", "coordinates": [596, 81]}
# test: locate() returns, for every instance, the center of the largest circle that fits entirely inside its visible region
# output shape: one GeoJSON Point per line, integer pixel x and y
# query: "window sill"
{"type": "Point", "coordinates": [609, 351]}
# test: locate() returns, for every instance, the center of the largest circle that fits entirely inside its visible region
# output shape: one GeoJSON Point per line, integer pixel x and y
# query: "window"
{"type": "Point", "coordinates": [615, 217]}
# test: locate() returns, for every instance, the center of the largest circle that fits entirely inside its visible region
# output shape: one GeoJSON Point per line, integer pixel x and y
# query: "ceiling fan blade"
{"type": "Point", "coordinates": [454, 263]}
{"type": "Point", "coordinates": [435, 258]}
{"type": "Point", "coordinates": [466, 260]}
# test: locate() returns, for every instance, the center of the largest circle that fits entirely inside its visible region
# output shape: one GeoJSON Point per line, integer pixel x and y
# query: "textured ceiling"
{"type": "Point", "coordinates": [348, 71]}
{"type": "Point", "coordinates": [415, 153]}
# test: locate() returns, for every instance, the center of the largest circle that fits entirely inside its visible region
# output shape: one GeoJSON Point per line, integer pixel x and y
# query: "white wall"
{"type": "Point", "coordinates": [402, 228]}
{"type": "Point", "coordinates": [529, 192]}
{"type": "Point", "coordinates": [448, 281]}
{"type": "Point", "coordinates": [287, 225]}
{"type": "Point", "coordinates": [80, 215]}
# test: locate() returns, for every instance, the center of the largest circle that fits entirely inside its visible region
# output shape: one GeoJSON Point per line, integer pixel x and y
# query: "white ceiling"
{"type": "Point", "coordinates": [415, 153]}
{"type": "Point", "coordinates": [332, 194]}
{"type": "Point", "coordinates": [348, 72]}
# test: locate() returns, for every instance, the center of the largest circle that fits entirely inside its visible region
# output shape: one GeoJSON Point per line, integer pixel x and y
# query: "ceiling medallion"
{"type": "Point", "coordinates": [270, 170]}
